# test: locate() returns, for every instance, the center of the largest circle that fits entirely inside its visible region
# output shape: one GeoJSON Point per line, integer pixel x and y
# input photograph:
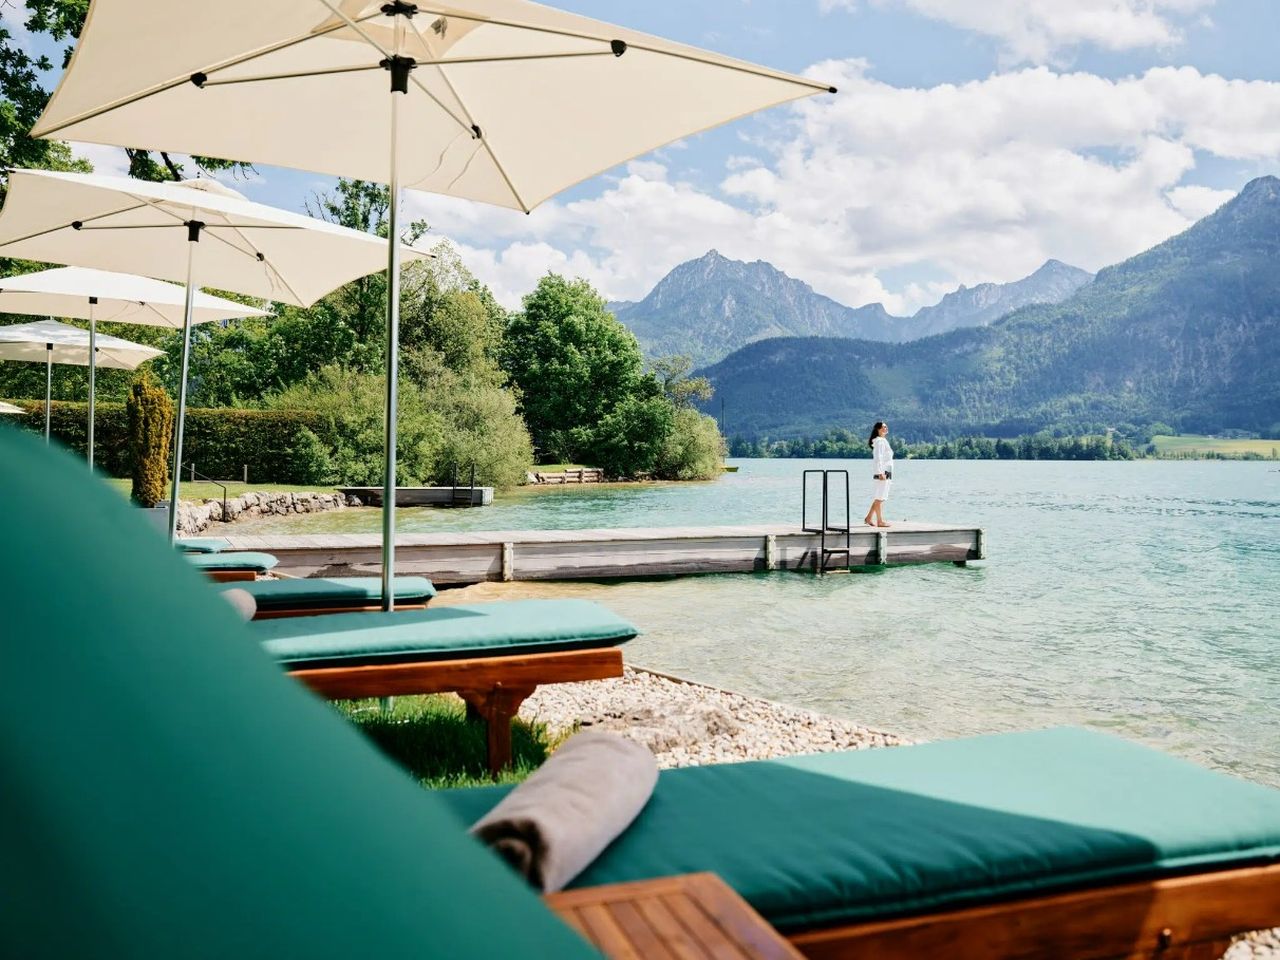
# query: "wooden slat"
{"type": "Point", "coordinates": [690, 917]}
{"type": "Point", "coordinates": [1194, 914]}
{"type": "Point", "coordinates": [277, 613]}
{"type": "Point", "coordinates": [481, 673]}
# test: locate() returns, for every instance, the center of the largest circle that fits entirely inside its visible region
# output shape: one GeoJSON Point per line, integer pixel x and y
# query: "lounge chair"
{"type": "Point", "coordinates": [494, 655]}
{"type": "Point", "coordinates": [1056, 843]}
{"type": "Point", "coordinates": [312, 595]}
{"type": "Point", "coordinates": [235, 567]}
{"type": "Point", "coordinates": [201, 544]}
{"type": "Point", "coordinates": [167, 793]}
{"type": "Point", "coordinates": [192, 804]}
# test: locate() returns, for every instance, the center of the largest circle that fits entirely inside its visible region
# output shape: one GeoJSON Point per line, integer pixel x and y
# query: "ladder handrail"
{"type": "Point", "coordinates": [826, 525]}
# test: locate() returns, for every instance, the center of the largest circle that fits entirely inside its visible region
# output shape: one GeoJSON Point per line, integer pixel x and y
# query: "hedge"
{"type": "Point", "coordinates": [220, 442]}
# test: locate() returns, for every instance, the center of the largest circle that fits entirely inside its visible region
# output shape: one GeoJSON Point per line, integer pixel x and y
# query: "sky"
{"type": "Point", "coordinates": [970, 141]}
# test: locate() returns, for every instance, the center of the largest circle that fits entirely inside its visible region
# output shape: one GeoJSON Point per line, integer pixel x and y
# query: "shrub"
{"type": "Point", "coordinates": [628, 441]}
{"type": "Point", "coordinates": [150, 419]}
{"type": "Point", "coordinates": [694, 450]}
{"type": "Point", "coordinates": [309, 458]}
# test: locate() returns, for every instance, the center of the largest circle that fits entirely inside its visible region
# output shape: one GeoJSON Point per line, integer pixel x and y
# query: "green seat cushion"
{"type": "Point", "coordinates": [320, 592]}
{"type": "Point", "coordinates": [240, 560]}
{"type": "Point", "coordinates": [502, 628]}
{"type": "Point", "coordinates": [840, 837]}
{"type": "Point", "coordinates": [201, 544]}
{"type": "Point", "coordinates": [168, 793]}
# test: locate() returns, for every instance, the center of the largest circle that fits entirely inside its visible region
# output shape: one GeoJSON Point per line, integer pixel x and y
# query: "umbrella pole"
{"type": "Point", "coordinates": [93, 363]}
{"type": "Point", "coordinates": [393, 369]}
{"type": "Point", "coordinates": [48, 387]}
{"type": "Point", "coordinates": [193, 237]}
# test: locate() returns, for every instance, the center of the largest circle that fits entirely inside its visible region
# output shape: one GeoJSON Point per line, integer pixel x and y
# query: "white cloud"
{"type": "Point", "coordinates": [950, 184]}
{"type": "Point", "coordinates": [110, 161]}
{"type": "Point", "coordinates": [1038, 31]}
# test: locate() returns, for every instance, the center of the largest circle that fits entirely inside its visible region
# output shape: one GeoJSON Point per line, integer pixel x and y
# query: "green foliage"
{"type": "Point", "coordinates": [348, 406]}
{"type": "Point", "coordinates": [672, 374]}
{"type": "Point", "coordinates": [628, 441]}
{"type": "Point", "coordinates": [694, 450]}
{"type": "Point", "coordinates": [69, 425]}
{"type": "Point", "coordinates": [572, 362]}
{"type": "Point", "coordinates": [309, 459]}
{"type": "Point", "coordinates": [841, 444]}
{"type": "Point", "coordinates": [150, 419]}
{"type": "Point", "coordinates": [432, 738]}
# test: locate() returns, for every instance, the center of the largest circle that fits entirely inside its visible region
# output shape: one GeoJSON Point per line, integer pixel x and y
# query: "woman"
{"type": "Point", "coordinates": [882, 458]}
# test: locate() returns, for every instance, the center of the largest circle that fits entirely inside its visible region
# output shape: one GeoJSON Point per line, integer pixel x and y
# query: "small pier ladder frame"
{"type": "Point", "coordinates": [825, 526]}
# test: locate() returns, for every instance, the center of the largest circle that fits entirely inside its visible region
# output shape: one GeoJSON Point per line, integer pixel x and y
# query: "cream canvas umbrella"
{"type": "Point", "coordinates": [50, 342]}
{"type": "Point", "coordinates": [95, 295]}
{"type": "Point", "coordinates": [197, 231]}
{"type": "Point", "coordinates": [10, 407]}
{"type": "Point", "coordinates": [503, 101]}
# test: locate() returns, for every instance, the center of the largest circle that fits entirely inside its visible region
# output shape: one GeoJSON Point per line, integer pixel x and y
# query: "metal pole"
{"type": "Point", "coordinates": [93, 363]}
{"type": "Point", "coordinates": [393, 365]}
{"type": "Point", "coordinates": [193, 237]}
{"type": "Point", "coordinates": [48, 387]}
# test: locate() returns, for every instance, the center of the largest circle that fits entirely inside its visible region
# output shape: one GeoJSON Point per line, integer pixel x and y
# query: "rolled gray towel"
{"type": "Point", "coordinates": [553, 825]}
{"type": "Point", "coordinates": [242, 600]}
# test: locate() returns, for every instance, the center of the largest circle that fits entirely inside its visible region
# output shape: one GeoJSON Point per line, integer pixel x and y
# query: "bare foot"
{"type": "Point", "coordinates": [866, 522]}
{"type": "Point", "coordinates": [884, 524]}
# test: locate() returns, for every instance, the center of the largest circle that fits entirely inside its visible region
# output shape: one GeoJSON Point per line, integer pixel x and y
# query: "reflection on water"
{"type": "Point", "coordinates": [1139, 597]}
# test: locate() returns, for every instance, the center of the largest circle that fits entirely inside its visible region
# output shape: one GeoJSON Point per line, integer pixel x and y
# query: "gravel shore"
{"type": "Point", "coordinates": [688, 724]}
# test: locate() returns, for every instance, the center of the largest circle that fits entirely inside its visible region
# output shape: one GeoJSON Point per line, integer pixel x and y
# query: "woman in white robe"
{"type": "Point", "coordinates": [882, 473]}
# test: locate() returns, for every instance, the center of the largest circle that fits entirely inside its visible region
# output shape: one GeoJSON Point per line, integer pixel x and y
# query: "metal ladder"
{"type": "Point", "coordinates": [826, 526]}
{"type": "Point", "coordinates": [463, 496]}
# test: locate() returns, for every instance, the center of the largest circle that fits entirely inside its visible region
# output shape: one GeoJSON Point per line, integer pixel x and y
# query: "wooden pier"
{"type": "Point", "coordinates": [464, 558]}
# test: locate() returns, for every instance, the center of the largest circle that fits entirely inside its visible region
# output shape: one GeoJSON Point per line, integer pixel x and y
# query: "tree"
{"type": "Point", "coordinates": [628, 441]}
{"type": "Point", "coordinates": [573, 363]}
{"type": "Point", "coordinates": [682, 390]}
{"type": "Point", "coordinates": [150, 416]}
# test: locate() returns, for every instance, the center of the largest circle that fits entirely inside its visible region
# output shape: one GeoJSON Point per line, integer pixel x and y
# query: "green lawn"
{"type": "Point", "coordinates": [432, 738]}
{"type": "Point", "coordinates": [200, 490]}
{"type": "Point", "coordinates": [1189, 445]}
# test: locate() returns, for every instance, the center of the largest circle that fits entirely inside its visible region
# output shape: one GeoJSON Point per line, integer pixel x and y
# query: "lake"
{"type": "Point", "coordinates": [1140, 597]}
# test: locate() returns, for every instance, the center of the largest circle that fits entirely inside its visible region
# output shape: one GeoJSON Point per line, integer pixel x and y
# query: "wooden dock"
{"type": "Point", "coordinates": [464, 558]}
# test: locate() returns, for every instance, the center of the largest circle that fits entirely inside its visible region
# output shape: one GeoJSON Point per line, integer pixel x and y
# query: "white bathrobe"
{"type": "Point", "coordinates": [882, 455]}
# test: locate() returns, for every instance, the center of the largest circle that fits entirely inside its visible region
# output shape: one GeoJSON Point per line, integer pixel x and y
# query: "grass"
{"type": "Point", "coordinates": [201, 490]}
{"type": "Point", "coordinates": [431, 737]}
{"type": "Point", "coordinates": [1192, 446]}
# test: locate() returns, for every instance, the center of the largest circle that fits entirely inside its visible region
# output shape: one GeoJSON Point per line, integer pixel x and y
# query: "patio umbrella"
{"type": "Point", "coordinates": [115, 223]}
{"type": "Point", "coordinates": [50, 342]}
{"type": "Point", "coordinates": [10, 408]}
{"type": "Point", "coordinates": [95, 295]}
{"type": "Point", "coordinates": [503, 101]}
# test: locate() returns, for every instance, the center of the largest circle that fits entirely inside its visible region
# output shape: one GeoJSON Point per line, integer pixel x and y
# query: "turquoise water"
{"type": "Point", "coordinates": [1141, 597]}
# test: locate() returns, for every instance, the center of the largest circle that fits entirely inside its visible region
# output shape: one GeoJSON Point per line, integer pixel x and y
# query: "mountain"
{"type": "Point", "coordinates": [1187, 333]}
{"type": "Point", "coordinates": [978, 306]}
{"type": "Point", "coordinates": [709, 307]}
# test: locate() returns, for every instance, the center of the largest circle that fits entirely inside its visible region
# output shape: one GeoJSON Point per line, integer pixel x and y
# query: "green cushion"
{"type": "Point", "coordinates": [201, 544]}
{"type": "Point", "coordinates": [321, 592]}
{"type": "Point", "coordinates": [841, 837]}
{"type": "Point", "coordinates": [240, 560]}
{"type": "Point", "coordinates": [482, 630]}
{"type": "Point", "coordinates": [168, 793]}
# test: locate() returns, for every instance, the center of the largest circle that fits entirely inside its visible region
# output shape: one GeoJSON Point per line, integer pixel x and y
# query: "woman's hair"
{"type": "Point", "coordinates": [875, 432]}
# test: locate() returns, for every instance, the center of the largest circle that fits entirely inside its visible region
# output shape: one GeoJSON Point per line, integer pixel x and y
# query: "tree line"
{"type": "Point", "coordinates": [843, 444]}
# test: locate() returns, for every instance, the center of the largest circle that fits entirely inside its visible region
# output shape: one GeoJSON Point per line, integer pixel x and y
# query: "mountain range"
{"type": "Point", "coordinates": [709, 307]}
{"type": "Point", "coordinates": [1186, 333]}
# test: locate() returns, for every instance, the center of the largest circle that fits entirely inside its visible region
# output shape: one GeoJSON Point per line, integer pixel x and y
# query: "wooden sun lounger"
{"type": "Point", "coordinates": [1192, 917]}
{"type": "Point", "coordinates": [493, 687]}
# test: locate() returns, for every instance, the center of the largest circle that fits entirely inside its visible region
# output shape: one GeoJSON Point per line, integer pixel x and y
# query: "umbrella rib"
{"type": "Point", "coordinates": [260, 257]}
{"type": "Point", "coordinates": [177, 82]}
{"type": "Point", "coordinates": [291, 76]}
{"type": "Point", "coordinates": [63, 226]}
{"type": "Point", "coordinates": [741, 68]}
{"type": "Point", "coordinates": [476, 129]}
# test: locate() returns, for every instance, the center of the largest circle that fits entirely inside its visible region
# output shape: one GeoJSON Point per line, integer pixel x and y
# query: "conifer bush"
{"type": "Point", "coordinates": [150, 415]}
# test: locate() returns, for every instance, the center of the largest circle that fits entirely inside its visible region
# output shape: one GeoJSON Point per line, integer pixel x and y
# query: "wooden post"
{"type": "Point", "coordinates": [982, 545]}
{"type": "Point", "coordinates": [771, 552]}
{"type": "Point", "coordinates": [882, 548]}
{"type": "Point", "coordinates": [508, 562]}
{"type": "Point", "coordinates": [497, 706]}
